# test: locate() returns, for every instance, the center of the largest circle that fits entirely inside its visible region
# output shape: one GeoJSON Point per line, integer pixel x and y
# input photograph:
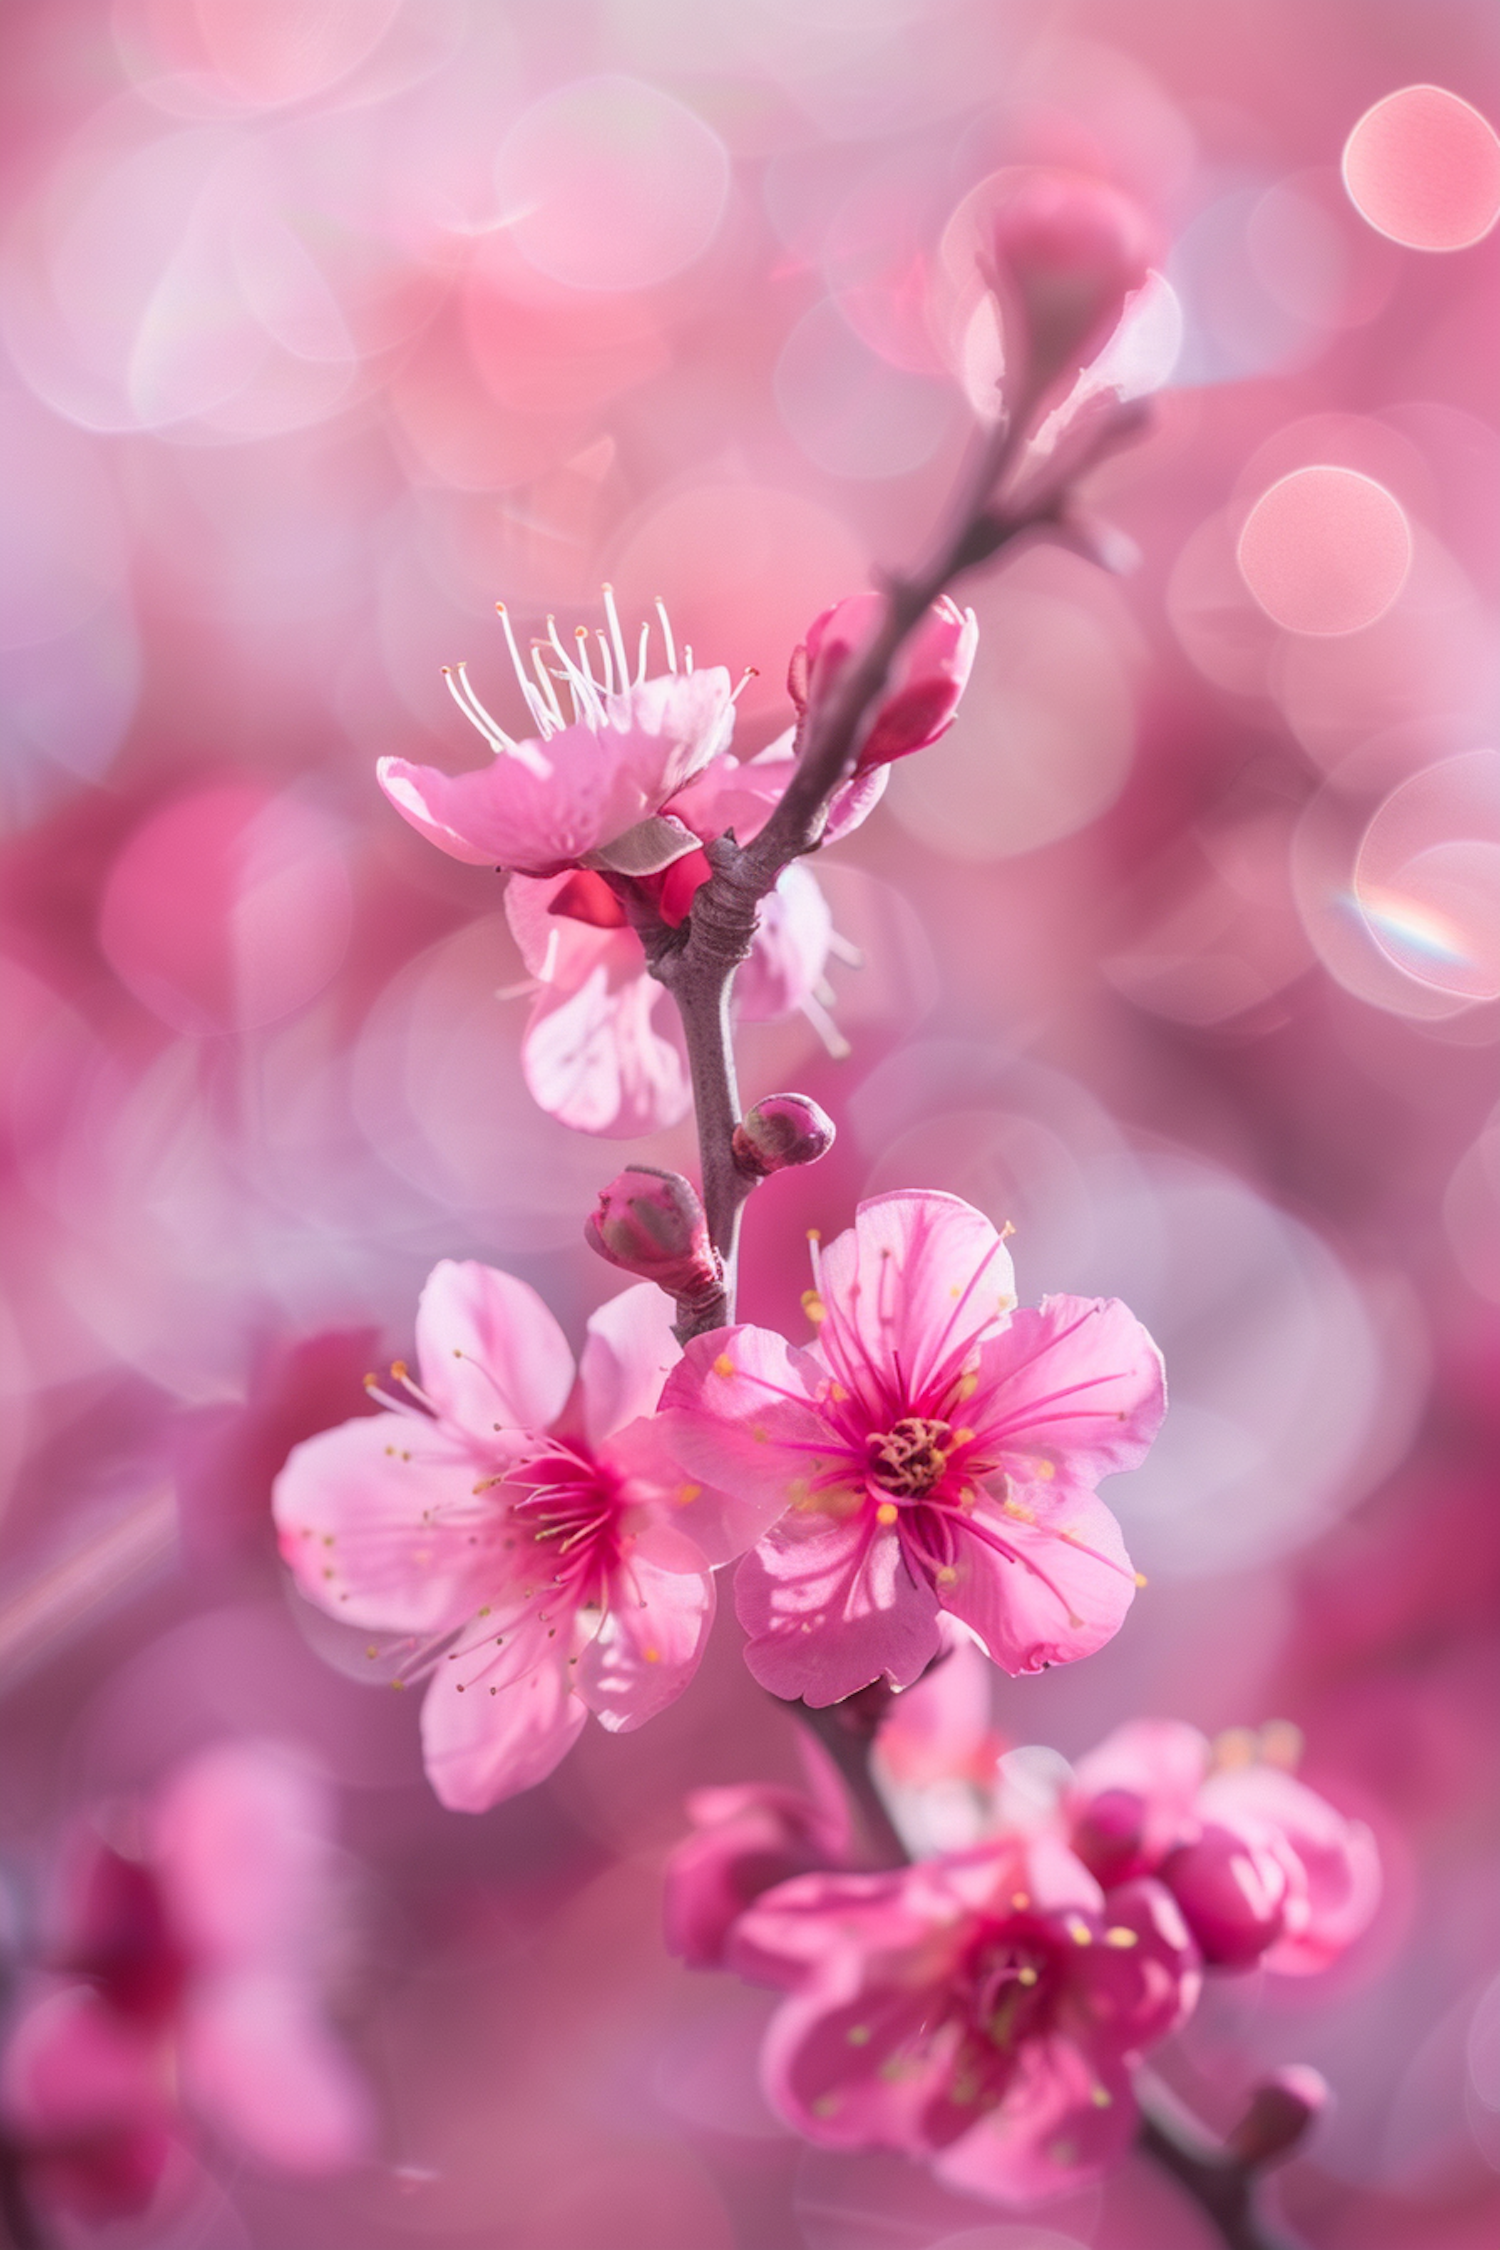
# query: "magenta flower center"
{"type": "Point", "coordinates": [910, 1457]}
{"type": "Point", "coordinates": [572, 1513]}
{"type": "Point", "coordinates": [1012, 1990]}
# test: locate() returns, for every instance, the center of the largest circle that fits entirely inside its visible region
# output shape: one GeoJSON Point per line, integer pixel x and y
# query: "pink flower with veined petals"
{"type": "Point", "coordinates": [545, 1570]}
{"type": "Point", "coordinates": [587, 791]}
{"type": "Point", "coordinates": [187, 1988]}
{"type": "Point", "coordinates": [937, 1450]}
{"type": "Point", "coordinates": [1264, 1869]}
{"type": "Point", "coordinates": [980, 2010]}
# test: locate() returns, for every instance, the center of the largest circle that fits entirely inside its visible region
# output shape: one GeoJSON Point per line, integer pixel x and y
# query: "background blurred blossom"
{"type": "Point", "coordinates": [326, 323]}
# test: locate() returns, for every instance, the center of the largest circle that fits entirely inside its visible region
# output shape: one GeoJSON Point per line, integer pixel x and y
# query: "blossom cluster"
{"type": "Point", "coordinates": [982, 2009]}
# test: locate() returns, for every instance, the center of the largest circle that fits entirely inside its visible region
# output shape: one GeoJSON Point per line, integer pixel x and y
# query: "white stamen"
{"type": "Point", "coordinates": [842, 950]}
{"type": "Point", "coordinates": [549, 958]}
{"type": "Point", "coordinates": [666, 634]}
{"type": "Point", "coordinates": [606, 663]}
{"type": "Point", "coordinates": [548, 690]}
{"type": "Point", "coordinates": [687, 660]}
{"type": "Point", "coordinates": [750, 673]}
{"type": "Point", "coordinates": [826, 1029]}
{"type": "Point", "coordinates": [616, 636]}
{"type": "Point", "coordinates": [640, 670]}
{"type": "Point", "coordinates": [525, 753]}
{"type": "Point", "coordinates": [537, 709]}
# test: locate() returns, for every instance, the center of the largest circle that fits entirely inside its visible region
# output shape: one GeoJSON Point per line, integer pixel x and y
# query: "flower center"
{"type": "Point", "coordinates": [572, 1514]}
{"type": "Point", "coordinates": [1011, 1991]}
{"type": "Point", "coordinates": [910, 1457]}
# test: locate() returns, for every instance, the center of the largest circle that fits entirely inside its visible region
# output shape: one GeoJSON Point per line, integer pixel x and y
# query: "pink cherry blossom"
{"type": "Point", "coordinates": [582, 785]}
{"type": "Point", "coordinates": [1263, 1868]}
{"type": "Point", "coordinates": [541, 1567]}
{"type": "Point", "coordinates": [187, 1989]}
{"type": "Point", "coordinates": [938, 1448]}
{"type": "Point", "coordinates": [1064, 252]}
{"type": "Point", "coordinates": [928, 675]}
{"type": "Point", "coordinates": [980, 2010]}
{"type": "Point", "coordinates": [746, 1839]}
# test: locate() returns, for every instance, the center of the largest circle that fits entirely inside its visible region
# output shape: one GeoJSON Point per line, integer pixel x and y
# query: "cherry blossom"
{"type": "Point", "coordinates": [540, 1566]}
{"type": "Point", "coordinates": [980, 2010]}
{"type": "Point", "coordinates": [1064, 253]}
{"type": "Point", "coordinates": [930, 672]}
{"type": "Point", "coordinates": [938, 1449]}
{"type": "Point", "coordinates": [186, 1990]}
{"type": "Point", "coordinates": [585, 790]}
{"type": "Point", "coordinates": [747, 1838]}
{"type": "Point", "coordinates": [1264, 1869]}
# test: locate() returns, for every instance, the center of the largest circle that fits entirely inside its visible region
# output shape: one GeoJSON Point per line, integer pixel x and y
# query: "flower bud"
{"type": "Point", "coordinates": [651, 1223]}
{"type": "Point", "coordinates": [1063, 252]}
{"type": "Point", "coordinates": [782, 1130]}
{"type": "Point", "coordinates": [927, 677]}
{"type": "Point", "coordinates": [1233, 1890]}
{"type": "Point", "coordinates": [1280, 2114]}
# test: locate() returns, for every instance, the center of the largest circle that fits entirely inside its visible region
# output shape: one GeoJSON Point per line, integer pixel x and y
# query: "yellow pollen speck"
{"type": "Point", "coordinates": [966, 1386]}
{"type": "Point", "coordinates": [1007, 1230]}
{"type": "Point", "coordinates": [813, 1306]}
{"type": "Point", "coordinates": [398, 1369]}
{"type": "Point", "coordinates": [961, 1437]}
{"type": "Point", "coordinates": [887, 1512]}
{"type": "Point", "coordinates": [372, 1650]}
{"type": "Point", "coordinates": [1026, 1976]}
{"type": "Point", "coordinates": [1101, 2097]}
{"type": "Point", "coordinates": [688, 1494]}
{"type": "Point", "coordinates": [1021, 1514]}
{"type": "Point", "coordinates": [723, 1365]}
{"type": "Point", "coordinates": [371, 1382]}
{"type": "Point", "coordinates": [1007, 1303]}
{"type": "Point", "coordinates": [837, 1392]}
{"type": "Point", "coordinates": [652, 1655]}
{"type": "Point", "coordinates": [758, 1432]}
{"type": "Point", "coordinates": [858, 2035]}
{"type": "Point", "coordinates": [1140, 1578]}
{"type": "Point", "coordinates": [1020, 1900]}
{"type": "Point", "coordinates": [1080, 1933]}
{"type": "Point", "coordinates": [1046, 1470]}
{"type": "Point", "coordinates": [1121, 1938]}
{"type": "Point", "coordinates": [947, 1576]}
{"type": "Point", "coordinates": [826, 2105]}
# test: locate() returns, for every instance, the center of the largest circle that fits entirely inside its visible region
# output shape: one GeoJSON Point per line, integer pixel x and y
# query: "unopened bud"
{"type": "Point", "coordinates": [1233, 1892]}
{"type": "Point", "coordinates": [782, 1130]}
{"type": "Point", "coordinates": [1280, 2114]}
{"type": "Point", "coordinates": [651, 1223]}
{"type": "Point", "coordinates": [927, 676]}
{"type": "Point", "coordinates": [1063, 252]}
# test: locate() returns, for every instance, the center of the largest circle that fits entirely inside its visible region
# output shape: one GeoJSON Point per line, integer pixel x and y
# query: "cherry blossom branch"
{"type": "Point", "coordinates": [23, 2229]}
{"type": "Point", "coordinates": [1224, 2181]}
{"type": "Point", "coordinates": [697, 961]}
{"type": "Point", "coordinates": [847, 1732]}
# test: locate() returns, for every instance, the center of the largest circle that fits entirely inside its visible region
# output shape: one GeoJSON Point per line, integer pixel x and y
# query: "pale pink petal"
{"type": "Point", "coordinates": [1143, 1979]}
{"type": "Point", "coordinates": [360, 1516]}
{"type": "Point", "coordinates": [943, 1727]}
{"type": "Point", "coordinates": [558, 948]}
{"type": "Point", "coordinates": [483, 1741]}
{"type": "Point", "coordinates": [648, 1647]}
{"type": "Point", "coordinates": [629, 1354]}
{"type": "Point", "coordinates": [1078, 1381]}
{"type": "Point", "coordinates": [608, 1057]}
{"type": "Point", "coordinates": [240, 1841]}
{"type": "Point", "coordinates": [426, 799]}
{"type": "Point", "coordinates": [1338, 1859]}
{"type": "Point", "coordinates": [1065, 2117]}
{"type": "Point", "coordinates": [787, 959]}
{"type": "Point", "coordinates": [746, 1841]}
{"type": "Point", "coordinates": [829, 1607]}
{"type": "Point", "coordinates": [731, 794]}
{"type": "Point", "coordinates": [909, 1289]}
{"type": "Point", "coordinates": [259, 2064]}
{"type": "Point", "coordinates": [855, 802]}
{"type": "Point", "coordinates": [1060, 1593]}
{"type": "Point", "coordinates": [791, 1930]}
{"type": "Point", "coordinates": [492, 1356]}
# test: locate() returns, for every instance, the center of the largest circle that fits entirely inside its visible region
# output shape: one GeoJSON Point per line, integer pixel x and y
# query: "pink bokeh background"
{"type": "Point", "coordinates": [324, 324]}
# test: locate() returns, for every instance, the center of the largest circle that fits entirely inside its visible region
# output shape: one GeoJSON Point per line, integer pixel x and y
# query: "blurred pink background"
{"type": "Point", "coordinates": [323, 325]}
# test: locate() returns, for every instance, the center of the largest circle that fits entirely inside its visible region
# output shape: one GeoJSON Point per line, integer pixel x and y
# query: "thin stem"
{"type": "Point", "coordinates": [697, 961]}
{"type": "Point", "coordinates": [1222, 2185]}
{"type": "Point", "coordinates": [23, 2229]}
{"type": "Point", "coordinates": [847, 1732]}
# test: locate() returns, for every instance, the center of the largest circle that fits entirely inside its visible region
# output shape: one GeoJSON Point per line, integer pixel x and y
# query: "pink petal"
{"type": "Point", "coordinates": [628, 1356]}
{"type": "Point", "coordinates": [648, 1647]}
{"type": "Point", "coordinates": [259, 2064]}
{"type": "Point", "coordinates": [479, 1746]}
{"type": "Point", "coordinates": [855, 802]}
{"type": "Point", "coordinates": [852, 2059]}
{"type": "Point", "coordinates": [359, 1517]}
{"type": "Point", "coordinates": [1338, 1859]}
{"type": "Point", "coordinates": [1134, 1798]}
{"type": "Point", "coordinates": [558, 948]}
{"type": "Point", "coordinates": [1127, 1996]}
{"type": "Point", "coordinates": [1065, 2118]}
{"type": "Point", "coordinates": [916, 1281]}
{"type": "Point", "coordinates": [1078, 1381]}
{"type": "Point", "coordinates": [597, 1059]}
{"type": "Point", "coordinates": [73, 2068]}
{"type": "Point", "coordinates": [491, 1354]}
{"type": "Point", "coordinates": [790, 951]}
{"type": "Point", "coordinates": [730, 794]}
{"type": "Point", "coordinates": [831, 1607]}
{"type": "Point", "coordinates": [792, 1929]}
{"type": "Point", "coordinates": [1235, 1890]}
{"type": "Point", "coordinates": [738, 1412]}
{"type": "Point", "coordinates": [746, 1840]}
{"type": "Point", "coordinates": [240, 1838]}
{"type": "Point", "coordinates": [1060, 1597]}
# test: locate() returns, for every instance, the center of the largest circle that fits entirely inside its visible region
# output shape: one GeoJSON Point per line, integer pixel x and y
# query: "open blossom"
{"type": "Point", "coordinates": [186, 1990]}
{"type": "Point", "coordinates": [590, 789]}
{"type": "Point", "coordinates": [936, 1450]}
{"type": "Point", "coordinates": [544, 1567]}
{"type": "Point", "coordinates": [928, 675]}
{"type": "Point", "coordinates": [980, 2010]}
{"type": "Point", "coordinates": [1264, 1869]}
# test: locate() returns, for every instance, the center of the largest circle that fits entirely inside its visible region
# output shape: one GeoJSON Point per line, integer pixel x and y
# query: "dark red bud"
{"type": "Point", "coordinates": [651, 1223]}
{"type": "Point", "coordinates": [782, 1130]}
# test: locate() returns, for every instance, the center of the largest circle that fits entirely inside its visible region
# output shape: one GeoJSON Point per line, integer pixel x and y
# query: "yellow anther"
{"type": "Point", "coordinates": [687, 1494]}
{"type": "Point", "coordinates": [947, 1576]}
{"type": "Point", "coordinates": [1007, 1230]}
{"type": "Point", "coordinates": [1101, 2097]}
{"type": "Point", "coordinates": [398, 1369]}
{"type": "Point", "coordinates": [858, 2035]}
{"type": "Point", "coordinates": [814, 1307]}
{"type": "Point", "coordinates": [815, 1234]}
{"type": "Point", "coordinates": [1080, 1933]}
{"type": "Point", "coordinates": [1021, 1513]}
{"type": "Point", "coordinates": [372, 1382]}
{"type": "Point", "coordinates": [652, 1655]}
{"type": "Point", "coordinates": [1141, 1579]}
{"type": "Point", "coordinates": [723, 1365]}
{"type": "Point", "coordinates": [1121, 1938]}
{"type": "Point", "coordinates": [1020, 1900]}
{"type": "Point", "coordinates": [887, 1512]}
{"type": "Point", "coordinates": [1026, 1976]}
{"type": "Point", "coordinates": [960, 1437]}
